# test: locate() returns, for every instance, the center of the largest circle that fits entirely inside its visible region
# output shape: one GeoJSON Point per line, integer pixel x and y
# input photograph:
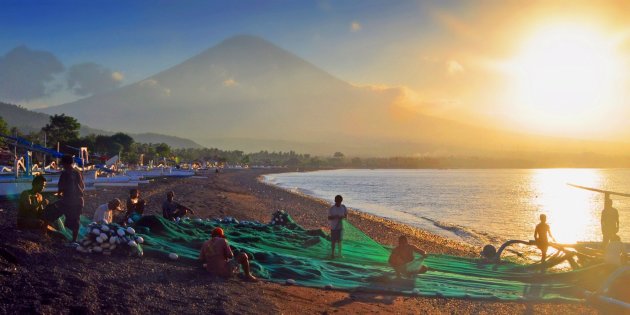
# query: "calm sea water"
{"type": "Point", "coordinates": [476, 206]}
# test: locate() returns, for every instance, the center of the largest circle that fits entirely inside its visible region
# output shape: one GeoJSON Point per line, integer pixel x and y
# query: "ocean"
{"type": "Point", "coordinates": [475, 206]}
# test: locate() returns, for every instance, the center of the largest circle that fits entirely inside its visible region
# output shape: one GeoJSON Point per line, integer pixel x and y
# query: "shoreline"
{"type": "Point", "coordinates": [452, 247]}
{"type": "Point", "coordinates": [49, 278]}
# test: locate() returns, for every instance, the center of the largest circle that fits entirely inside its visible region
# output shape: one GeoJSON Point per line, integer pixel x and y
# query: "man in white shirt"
{"type": "Point", "coordinates": [336, 214]}
{"type": "Point", "coordinates": [105, 212]}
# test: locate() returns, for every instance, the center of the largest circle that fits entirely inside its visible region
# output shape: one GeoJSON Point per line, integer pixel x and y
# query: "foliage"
{"type": "Point", "coordinates": [63, 129]}
{"type": "Point", "coordinates": [4, 128]}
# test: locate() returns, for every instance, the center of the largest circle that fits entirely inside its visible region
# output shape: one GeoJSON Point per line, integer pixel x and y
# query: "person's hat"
{"type": "Point", "coordinates": [218, 232]}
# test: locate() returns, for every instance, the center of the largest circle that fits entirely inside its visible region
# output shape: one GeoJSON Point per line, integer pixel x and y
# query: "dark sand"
{"type": "Point", "coordinates": [48, 278]}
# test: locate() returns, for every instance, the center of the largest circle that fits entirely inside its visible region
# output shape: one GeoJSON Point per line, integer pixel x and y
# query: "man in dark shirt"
{"type": "Point", "coordinates": [609, 221]}
{"type": "Point", "coordinates": [135, 205]}
{"type": "Point", "coordinates": [70, 190]}
{"type": "Point", "coordinates": [31, 206]}
{"type": "Point", "coordinates": [171, 209]}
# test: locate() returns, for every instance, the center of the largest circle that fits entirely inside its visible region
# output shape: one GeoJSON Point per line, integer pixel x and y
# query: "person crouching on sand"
{"type": "Point", "coordinates": [219, 260]}
{"type": "Point", "coordinates": [402, 256]}
{"type": "Point", "coordinates": [172, 210]}
{"type": "Point", "coordinates": [31, 206]}
{"type": "Point", "coordinates": [105, 212]}
{"type": "Point", "coordinates": [135, 206]}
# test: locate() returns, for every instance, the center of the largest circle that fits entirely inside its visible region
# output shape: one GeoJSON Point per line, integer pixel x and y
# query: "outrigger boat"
{"type": "Point", "coordinates": [578, 256]}
{"type": "Point", "coordinates": [21, 177]}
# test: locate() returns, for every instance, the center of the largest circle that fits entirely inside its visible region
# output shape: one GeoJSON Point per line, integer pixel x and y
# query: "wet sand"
{"type": "Point", "coordinates": [39, 275]}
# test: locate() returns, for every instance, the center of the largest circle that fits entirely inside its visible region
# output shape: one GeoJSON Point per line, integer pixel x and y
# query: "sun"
{"type": "Point", "coordinates": [564, 77]}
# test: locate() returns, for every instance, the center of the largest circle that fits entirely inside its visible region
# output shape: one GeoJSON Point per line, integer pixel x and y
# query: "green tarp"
{"type": "Point", "coordinates": [288, 251]}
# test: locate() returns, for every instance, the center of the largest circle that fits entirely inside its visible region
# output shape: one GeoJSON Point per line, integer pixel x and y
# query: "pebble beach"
{"type": "Point", "coordinates": [40, 275]}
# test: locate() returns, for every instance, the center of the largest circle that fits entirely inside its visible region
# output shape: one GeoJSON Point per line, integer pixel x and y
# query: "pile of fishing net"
{"type": "Point", "coordinates": [109, 238]}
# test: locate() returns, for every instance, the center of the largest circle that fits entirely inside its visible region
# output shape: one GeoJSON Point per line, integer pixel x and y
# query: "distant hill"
{"type": "Point", "coordinates": [246, 93]}
{"type": "Point", "coordinates": [30, 121]}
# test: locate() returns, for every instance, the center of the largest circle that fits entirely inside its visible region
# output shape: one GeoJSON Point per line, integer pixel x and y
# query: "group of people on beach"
{"type": "Point", "coordinates": [36, 212]}
{"type": "Point", "coordinates": [614, 249]}
{"type": "Point", "coordinates": [401, 257]}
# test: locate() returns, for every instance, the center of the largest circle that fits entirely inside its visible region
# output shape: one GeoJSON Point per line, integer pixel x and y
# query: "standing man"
{"type": "Point", "coordinates": [336, 214]}
{"type": "Point", "coordinates": [541, 238]}
{"type": "Point", "coordinates": [70, 191]}
{"type": "Point", "coordinates": [609, 221]}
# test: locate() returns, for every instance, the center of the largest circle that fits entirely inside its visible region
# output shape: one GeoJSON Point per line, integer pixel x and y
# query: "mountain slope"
{"type": "Point", "coordinates": [249, 94]}
{"type": "Point", "coordinates": [29, 121]}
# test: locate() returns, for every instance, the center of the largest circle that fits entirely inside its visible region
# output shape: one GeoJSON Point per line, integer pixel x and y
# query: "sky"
{"type": "Point", "coordinates": [543, 67]}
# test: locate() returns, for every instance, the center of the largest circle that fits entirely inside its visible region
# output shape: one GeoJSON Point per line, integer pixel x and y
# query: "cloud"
{"type": "Point", "coordinates": [155, 85]}
{"type": "Point", "coordinates": [407, 102]}
{"type": "Point", "coordinates": [453, 67]}
{"type": "Point", "coordinates": [230, 83]}
{"type": "Point", "coordinates": [26, 74]}
{"type": "Point", "coordinates": [117, 76]}
{"type": "Point", "coordinates": [91, 78]}
{"type": "Point", "coordinates": [355, 26]}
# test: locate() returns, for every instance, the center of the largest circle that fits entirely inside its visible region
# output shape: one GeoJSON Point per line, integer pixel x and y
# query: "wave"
{"type": "Point", "coordinates": [469, 235]}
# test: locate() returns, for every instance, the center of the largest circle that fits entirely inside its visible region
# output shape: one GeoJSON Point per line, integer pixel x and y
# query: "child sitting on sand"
{"type": "Point", "coordinates": [402, 256]}
{"type": "Point", "coordinates": [219, 260]}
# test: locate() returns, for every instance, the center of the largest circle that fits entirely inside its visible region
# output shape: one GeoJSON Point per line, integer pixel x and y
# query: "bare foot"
{"type": "Point", "coordinates": [250, 278]}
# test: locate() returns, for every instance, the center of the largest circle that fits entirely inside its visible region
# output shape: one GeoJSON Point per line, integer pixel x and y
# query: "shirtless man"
{"type": "Point", "coordinates": [540, 236]}
{"type": "Point", "coordinates": [31, 206]}
{"type": "Point", "coordinates": [402, 256]}
{"type": "Point", "coordinates": [219, 260]}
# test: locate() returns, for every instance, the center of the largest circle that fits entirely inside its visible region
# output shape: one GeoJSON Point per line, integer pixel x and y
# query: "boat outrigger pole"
{"type": "Point", "coordinates": [607, 193]}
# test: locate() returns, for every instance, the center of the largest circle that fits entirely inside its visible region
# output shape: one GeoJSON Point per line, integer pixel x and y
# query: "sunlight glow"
{"type": "Point", "coordinates": [569, 210]}
{"type": "Point", "coordinates": [565, 76]}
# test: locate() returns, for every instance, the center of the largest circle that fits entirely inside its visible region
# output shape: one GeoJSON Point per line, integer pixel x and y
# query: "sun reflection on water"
{"type": "Point", "coordinates": [570, 211]}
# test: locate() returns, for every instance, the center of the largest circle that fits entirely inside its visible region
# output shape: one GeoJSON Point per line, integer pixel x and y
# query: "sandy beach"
{"type": "Point", "coordinates": [39, 275]}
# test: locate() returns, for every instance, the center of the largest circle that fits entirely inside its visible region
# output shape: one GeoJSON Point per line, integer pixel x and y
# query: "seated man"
{"type": "Point", "coordinates": [105, 212]}
{"type": "Point", "coordinates": [31, 206]}
{"type": "Point", "coordinates": [172, 210]}
{"type": "Point", "coordinates": [135, 205]}
{"type": "Point", "coordinates": [402, 256]}
{"type": "Point", "coordinates": [218, 259]}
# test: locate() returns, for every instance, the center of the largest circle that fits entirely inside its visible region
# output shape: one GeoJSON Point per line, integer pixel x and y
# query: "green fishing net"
{"type": "Point", "coordinates": [283, 250]}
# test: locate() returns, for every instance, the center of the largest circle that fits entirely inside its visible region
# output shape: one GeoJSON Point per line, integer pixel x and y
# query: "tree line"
{"type": "Point", "coordinates": [64, 130]}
